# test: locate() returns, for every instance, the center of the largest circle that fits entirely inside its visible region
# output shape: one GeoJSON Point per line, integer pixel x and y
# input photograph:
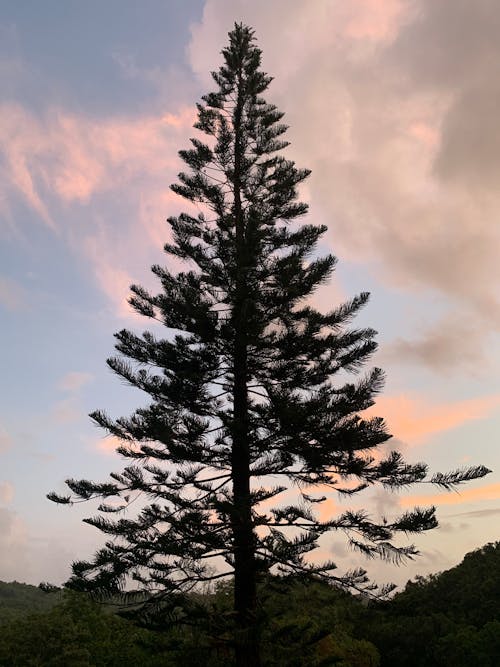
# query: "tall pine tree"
{"type": "Point", "coordinates": [245, 396]}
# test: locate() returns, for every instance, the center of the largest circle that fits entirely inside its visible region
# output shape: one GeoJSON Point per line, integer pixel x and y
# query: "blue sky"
{"type": "Point", "coordinates": [98, 97]}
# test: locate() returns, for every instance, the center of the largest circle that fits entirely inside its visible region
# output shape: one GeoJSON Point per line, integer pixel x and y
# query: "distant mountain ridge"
{"type": "Point", "coordinates": [17, 598]}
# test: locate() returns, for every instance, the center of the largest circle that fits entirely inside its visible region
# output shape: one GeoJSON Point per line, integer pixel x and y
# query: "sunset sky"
{"type": "Point", "coordinates": [393, 105]}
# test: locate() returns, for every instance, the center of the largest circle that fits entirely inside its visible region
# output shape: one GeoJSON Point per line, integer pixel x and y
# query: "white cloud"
{"type": "Point", "coordinates": [401, 137]}
{"type": "Point", "coordinates": [5, 439]}
{"type": "Point", "coordinates": [14, 559]}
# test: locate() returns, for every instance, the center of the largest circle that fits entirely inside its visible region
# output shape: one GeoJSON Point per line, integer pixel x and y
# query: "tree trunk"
{"type": "Point", "coordinates": [247, 650]}
{"type": "Point", "coordinates": [246, 640]}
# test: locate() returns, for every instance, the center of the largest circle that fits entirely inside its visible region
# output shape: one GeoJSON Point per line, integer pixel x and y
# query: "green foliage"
{"type": "Point", "coordinates": [437, 621]}
{"type": "Point", "coordinates": [469, 592]}
{"type": "Point", "coordinates": [445, 619]}
{"type": "Point", "coordinates": [467, 645]}
{"type": "Point", "coordinates": [74, 633]}
{"type": "Point", "coordinates": [311, 623]}
{"type": "Point", "coordinates": [17, 599]}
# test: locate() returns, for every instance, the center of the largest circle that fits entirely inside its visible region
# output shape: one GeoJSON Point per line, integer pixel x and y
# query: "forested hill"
{"type": "Point", "coordinates": [469, 592]}
{"type": "Point", "coordinates": [452, 618]}
{"type": "Point", "coordinates": [16, 598]}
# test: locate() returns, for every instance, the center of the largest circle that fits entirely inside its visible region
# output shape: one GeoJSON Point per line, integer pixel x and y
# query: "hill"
{"type": "Point", "coordinates": [18, 599]}
{"type": "Point", "coordinates": [451, 618]}
{"type": "Point", "coordinates": [446, 619]}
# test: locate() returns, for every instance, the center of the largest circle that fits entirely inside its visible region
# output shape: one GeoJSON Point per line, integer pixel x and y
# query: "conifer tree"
{"type": "Point", "coordinates": [245, 396]}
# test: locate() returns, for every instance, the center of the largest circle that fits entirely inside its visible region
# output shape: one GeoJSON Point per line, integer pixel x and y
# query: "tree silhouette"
{"type": "Point", "coordinates": [246, 396]}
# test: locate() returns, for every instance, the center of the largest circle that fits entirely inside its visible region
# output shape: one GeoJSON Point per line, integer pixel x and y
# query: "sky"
{"type": "Point", "coordinates": [393, 105]}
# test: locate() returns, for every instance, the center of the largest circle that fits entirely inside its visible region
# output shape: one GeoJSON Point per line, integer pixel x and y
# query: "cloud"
{"type": "Point", "coordinates": [470, 145]}
{"type": "Point", "coordinates": [446, 527]}
{"type": "Point", "coordinates": [434, 560]}
{"type": "Point", "coordinates": [431, 558]}
{"type": "Point", "coordinates": [14, 560]}
{"type": "Point", "coordinates": [113, 173]}
{"type": "Point", "coordinates": [384, 502]}
{"type": "Point", "coordinates": [487, 492]}
{"type": "Point", "coordinates": [478, 514]}
{"type": "Point", "coordinates": [453, 343]}
{"type": "Point", "coordinates": [374, 20]}
{"type": "Point", "coordinates": [393, 174]}
{"type": "Point", "coordinates": [339, 549]}
{"type": "Point", "coordinates": [108, 444]}
{"type": "Point", "coordinates": [74, 157]}
{"type": "Point", "coordinates": [66, 411]}
{"type": "Point", "coordinates": [328, 296]}
{"type": "Point", "coordinates": [5, 439]}
{"type": "Point", "coordinates": [69, 409]}
{"type": "Point", "coordinates": [414, 419]}
{"type": "Point", "coordinates": [30, 557]}
{"type": "Point", "coordinates": [11, 294]}
{"type": "Point", "coordinates": [163, 80]}
{"type": "Point", "coordinates": [455, 50]}
{"type": "Point", "coordinates": [6, 492]}
{"type": "Point", "coordinates": [74, 381]}
{"type": "Point", "coordinates": [405, 162]}
{"type": "Point", "coordinates": [326, 509]}
{"type": "Point", "coordinates": [19, 148]}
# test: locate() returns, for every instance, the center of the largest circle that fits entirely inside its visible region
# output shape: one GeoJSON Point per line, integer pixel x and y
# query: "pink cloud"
{"type": "Point", "coordinates": [98, 156]}
{"type": "Point", "coordinates": [66, 411]}
{"type": "Point", "coordinates": [425, 133]}
{"type": "Point", "coordinates": [414, 419]}
{"type": "Point", "coordinates": [74, 381]}
{"type": "Point", "coordinates": [488, 492]}
{"type": "Point", "coordinates": [153, 211]}
{"type": "Point", "coordinates": [377, 20]}
{"type": "Point", "coordinates": [11, 294]}
{"type": "Point", "coordinates": [109, 443]}
{"type": "Point", "coordinates": [114, 281]}
{"type": "Point", "coordinates": [355, 26]}
{"type": "Point", "coordinates": [73, 157]}
{"type": "Point", "coordinates": [327, 509]}
{"type": "Point", "coordinates": [20, 149]}
{"type": "Point", "coordinates": [69, 159]}
{"type": "Point", "coordinates": [328, 296]}
{"type": "Point", "coordinates": [6, 493]}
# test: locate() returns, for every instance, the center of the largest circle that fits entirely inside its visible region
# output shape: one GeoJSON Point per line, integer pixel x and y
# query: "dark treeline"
{"type": "Point", "coordinates": [452, 618]}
